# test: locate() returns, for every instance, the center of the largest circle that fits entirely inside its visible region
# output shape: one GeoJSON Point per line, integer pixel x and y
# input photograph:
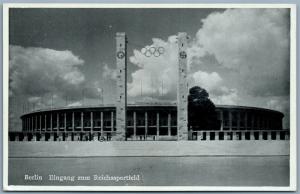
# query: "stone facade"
{"type": "Point", "coordinates": [148, 122]}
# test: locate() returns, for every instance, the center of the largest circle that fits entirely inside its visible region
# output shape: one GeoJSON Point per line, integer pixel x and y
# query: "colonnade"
{"type": "Point", "coordinates": [244, 120]}
{"type": "Point", "coordinates": [35, 123]}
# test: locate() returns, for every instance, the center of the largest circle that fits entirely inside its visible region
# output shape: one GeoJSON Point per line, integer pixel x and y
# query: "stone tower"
{"type": "Point", "coordinates": [121, 104]}
{"type": "Point", "coordinates": [182, 88]}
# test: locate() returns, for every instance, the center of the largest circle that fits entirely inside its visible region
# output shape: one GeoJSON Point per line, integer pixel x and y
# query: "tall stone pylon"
{"type": "Point", "coordinates": [182, 88]}
{"type": "Point", "coordinates": [121, 104]}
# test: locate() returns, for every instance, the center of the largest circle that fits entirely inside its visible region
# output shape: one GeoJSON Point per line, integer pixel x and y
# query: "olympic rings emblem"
{"type": "Point", "coordinates": [155, 51]}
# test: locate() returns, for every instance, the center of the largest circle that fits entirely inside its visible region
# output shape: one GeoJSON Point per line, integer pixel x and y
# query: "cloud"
{"type": "Point", "coordinates": [78, 103]}
{"type": "Point", "coordinates": [36, 72]}
{"type": "Point", "coordinates": [254, 43]}
{"type": "Point", "coordinates": [156, 75]}
{"type": "Point", "coordinates": [225, 96]}
{"type": "Point", "coordinates": [109, 73]}
{"type": "Point", "coordinates": [209, 81]}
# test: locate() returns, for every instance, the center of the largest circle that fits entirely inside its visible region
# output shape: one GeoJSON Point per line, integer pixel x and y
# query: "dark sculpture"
{"type": "Point", "coordinates": [201, 111]}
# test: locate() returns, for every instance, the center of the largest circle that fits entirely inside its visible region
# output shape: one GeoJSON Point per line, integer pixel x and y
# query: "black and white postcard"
{"type": "Point", "coordinates": [137, 97]}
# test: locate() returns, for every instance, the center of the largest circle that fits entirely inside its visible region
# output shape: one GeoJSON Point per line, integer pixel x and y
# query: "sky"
{"type": "Point", "coordinates": [66, 57]}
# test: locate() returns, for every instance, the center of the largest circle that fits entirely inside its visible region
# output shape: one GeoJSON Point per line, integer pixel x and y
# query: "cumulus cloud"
{"type": "Point", "coordinates": [77, 103]}
{"type": "Point", "coordinates": [252, 42]}
{"type": "Point", "coordinates": [209, 81]}
{"type": "Point", "coordinates": [109, 73]}
{"type": "Point", "coordinates": [226, 96]}
{"type": "Point", "coordinates": [156, 75]}
{"type": "Point", "coordinates": [35, 72]}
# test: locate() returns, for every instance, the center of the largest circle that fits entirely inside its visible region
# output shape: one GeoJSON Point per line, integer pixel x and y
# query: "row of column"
{"type": "Point", "coordinates": [147, 125]}
{"type": "Point", "coordinates": [32, 124]}
{"type": "Point", "coordinates": [230, 126]}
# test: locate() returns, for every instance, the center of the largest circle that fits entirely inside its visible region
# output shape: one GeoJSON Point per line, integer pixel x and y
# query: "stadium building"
{"type": "Point", "coordinates": [147, 122]}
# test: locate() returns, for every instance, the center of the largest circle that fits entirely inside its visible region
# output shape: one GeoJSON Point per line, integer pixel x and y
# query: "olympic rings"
{"type": "Point", "coordinates": [155, 51]}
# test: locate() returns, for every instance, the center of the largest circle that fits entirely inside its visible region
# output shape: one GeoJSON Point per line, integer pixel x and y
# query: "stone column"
{"type": "Point", "coordinates": [101, 130]}
{"type": "Point", "coordinates": [45, 122]}
{"type": "Point", "coordinates": [207, 135]}
{"type": "Point", "coordinates": [234, 137]}
{"type": "Point", "coordinates": [36, 125]}
{"type": "Point", "coordinates": [146, 125]}
{"type": "Point", "coordinates": [252, 135]}
{"type": "Point", "coordinates": [182, 88]}
{"type": "Point", "coordinates": [82, 114]}
{"type": "Point", "coordinates": [33, 137]}
{"type": "Point", "coordinates": [262, 123]}
{"type": "Point", "coordinates": [252, 122]}
{"type": "Point", "coordinates": [199, 135]}
{"type": "Point", "coordinates": [157, 125]}
{"type": "Point", "coordinates": [269, 135]}
{"type": "Point", "coordinates": [73, 121]}
{"type": "Point", "coordinates": [277, 135]}
{"type": "Point", "coordinates": [92, 121]}
{"type": "Point", "coordinates": [57, 121]}
{"type": "Point", "coordinates": [260, 135]}
{"type": "Point", "coordinates": [65, 121]}
{"type": "Point", "coordinates": [230, 120]}
{"type": "Point", "coordinates": [112, 120]}
{"type": "Point", "coordinates": [169, 124]}
{"type": "Point", "coordinates": [243, 136]}
{"type": "Point", "coordinates": [216, 135]}
{"type": "Point", "coordinates": [32, 126]}
{"type": "Point", "coordinates": [40, 122]}
{"type": "Point", "coordinates": [222, 120]}
{"type": "Point", "coordinates": [238, 120]}
{"type": "Point", "coordinates": [246, 121]}
{"type": "Point", "coordinates": [51, 122]}
{"type": "Point", "coordinates": [28, 124]}
{"type": "Point", "coordinates": [286, 135]}
{"type": "Point", "coordinates": [134, 125]}
{"type": "Point", "coordinates": [121, 104]}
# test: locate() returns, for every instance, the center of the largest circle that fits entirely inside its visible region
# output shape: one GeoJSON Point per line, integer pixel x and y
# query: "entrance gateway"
{"type": "Point", "coordinates": [121, 100]}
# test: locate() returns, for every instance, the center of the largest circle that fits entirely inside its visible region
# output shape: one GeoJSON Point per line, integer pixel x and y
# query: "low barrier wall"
{"type": "Point", "coordinates": [193, 136]}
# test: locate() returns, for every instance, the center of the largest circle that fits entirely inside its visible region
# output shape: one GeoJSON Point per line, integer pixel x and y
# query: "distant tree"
{"type": "Point", "coordinates": [201, 110]}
